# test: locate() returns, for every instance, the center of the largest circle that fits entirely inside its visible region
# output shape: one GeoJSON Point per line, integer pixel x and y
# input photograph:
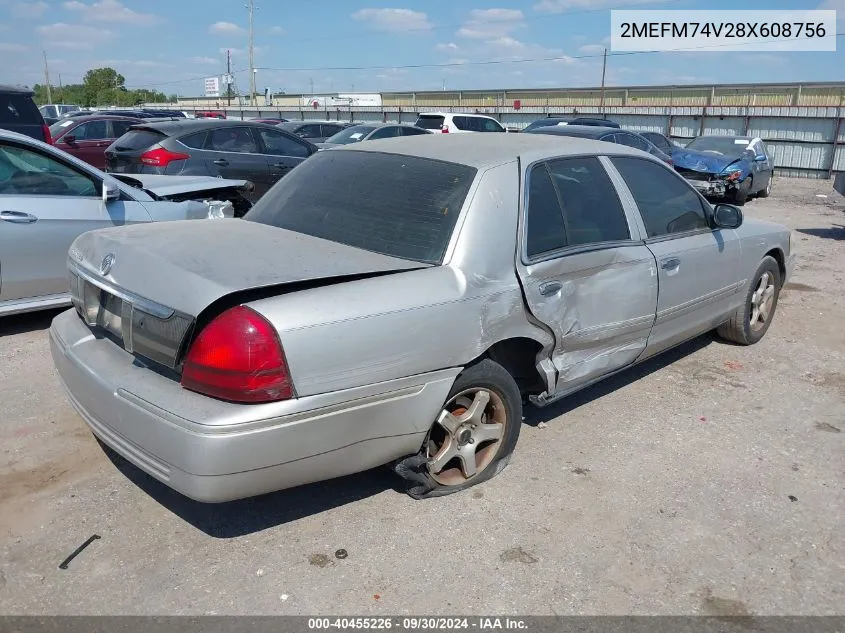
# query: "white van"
{"type": "Point", "coordinates": [458, 122]}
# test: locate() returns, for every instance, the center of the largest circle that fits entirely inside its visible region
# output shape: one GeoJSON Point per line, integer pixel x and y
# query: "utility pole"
{"type": "Point", "coordinates": [251, 7]}
{"type": "Point", "coordinates": [311, 81]}
{"type": "Point", "coordinates": [47, 79]}
{"type": "Point", "coordinates": [228, 77]}
{"type": "Point", "coordinates": [61, 89]}
{"type": "Point", "coordinates": [603, 69]}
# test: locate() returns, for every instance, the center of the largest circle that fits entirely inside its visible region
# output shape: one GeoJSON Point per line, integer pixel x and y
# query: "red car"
{"type": "Point", "coordinates": [87, 137]}
{"type": "Point", "coordinates": [210, 114]}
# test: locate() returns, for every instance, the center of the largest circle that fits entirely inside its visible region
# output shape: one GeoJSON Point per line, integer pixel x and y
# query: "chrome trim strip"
{"type": "Point", "coordinates": [148, 306]}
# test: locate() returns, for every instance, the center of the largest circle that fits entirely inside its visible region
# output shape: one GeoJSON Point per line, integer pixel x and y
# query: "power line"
{"type": "Point", "coordinates": [496, 62]}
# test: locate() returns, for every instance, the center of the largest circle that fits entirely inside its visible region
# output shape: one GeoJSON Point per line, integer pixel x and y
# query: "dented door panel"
{"type": "Point", "coordinates": [601, 313]}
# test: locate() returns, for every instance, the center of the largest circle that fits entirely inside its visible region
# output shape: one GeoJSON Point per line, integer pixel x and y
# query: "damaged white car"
{"type": "Point", "coordinates": [48, 198]}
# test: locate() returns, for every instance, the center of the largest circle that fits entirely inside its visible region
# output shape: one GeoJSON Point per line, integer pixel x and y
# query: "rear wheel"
{"type": "Point", "coordinates": [751, 321]}
{"type": "Point", "coordinates": [472, 437]}
{"type": "Point", "coordinates": [765, 193]}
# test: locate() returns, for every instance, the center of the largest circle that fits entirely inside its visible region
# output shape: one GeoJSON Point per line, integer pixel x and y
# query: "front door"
{"type": "Point", "coordinates": [585, 271]}
{"type": "Point", "coordinates": [697, 267]}
{"type": "Point", "coordinates": [282, 152]}
{"type": "Point", "coordinates": [45, 204]}
{"type": "Point", "coordinates": [87, 141]}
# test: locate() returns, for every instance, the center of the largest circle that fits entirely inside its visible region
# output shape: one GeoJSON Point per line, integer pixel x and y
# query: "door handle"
{"type": "Point", "coordinates": [222, 162]}
{"type": "Point", "coordinates": [670, 263]}
{"type": "Point", "coordinates": [17, 217]}
{"type": "Point", "coordinates": [280, 166]}
{"type": "Point", "coordinates": [550, 287]}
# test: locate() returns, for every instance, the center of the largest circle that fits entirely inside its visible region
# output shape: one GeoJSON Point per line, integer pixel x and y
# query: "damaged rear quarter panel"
{"type": "Point", "coordinates": [372, 330]}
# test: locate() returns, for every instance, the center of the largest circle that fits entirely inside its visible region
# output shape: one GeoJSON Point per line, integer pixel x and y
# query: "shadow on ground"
{"type": "Point", "coordinates": [28, 322]}
{"type": "Point", "coordinates": [836, 232]}
{"type": "Point", "coordinates": [239, 518]}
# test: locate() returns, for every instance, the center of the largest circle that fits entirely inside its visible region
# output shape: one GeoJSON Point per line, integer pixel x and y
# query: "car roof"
{"type": "Point", "coordinates": [489, 150]}
{"type": "Point", "coordinates": [102, 117]}
{"type": "Point", "coordinates": [478, 114]}
{"type": "Point", "coordinates": [176, 126]}
{"type": "Point", "coordinates": [16, 90]}
{"type": "Point", "coordinates": [587, 131]}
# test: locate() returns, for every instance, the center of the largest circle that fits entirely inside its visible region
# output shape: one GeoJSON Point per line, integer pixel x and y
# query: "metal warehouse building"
{"type": "Point", "coordinates": [801, 123]}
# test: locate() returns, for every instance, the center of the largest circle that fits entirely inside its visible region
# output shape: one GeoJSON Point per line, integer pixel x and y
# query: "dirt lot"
{"type": "Point", "coordinates": [708, 481]}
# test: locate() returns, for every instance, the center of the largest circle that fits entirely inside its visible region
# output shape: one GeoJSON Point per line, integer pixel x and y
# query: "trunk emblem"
{"type": "Point", "coordinates": [106, 264]}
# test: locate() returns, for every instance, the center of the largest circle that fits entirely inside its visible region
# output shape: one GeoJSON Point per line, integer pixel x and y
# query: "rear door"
{"type": "Point", "coordinates": [698, 267]}
{"type": "Point", "coordinates": [585, 271]}
{"type": "Point", "coordinates": [235, 152]}
{"type": "Point", "coordinates": [45, 203]}
{"type": "Point", "coordinates": [281, 152]}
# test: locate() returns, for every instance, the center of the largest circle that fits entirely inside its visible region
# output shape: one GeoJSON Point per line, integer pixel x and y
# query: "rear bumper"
{"type": "Point", "coordinates": [215, 451]}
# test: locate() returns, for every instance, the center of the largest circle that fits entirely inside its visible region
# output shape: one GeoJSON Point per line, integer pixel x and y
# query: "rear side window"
{"type": "Point", "coordinates": [233, 139]}
{"type": "Point", "coordinates": [544, 230]}
{"type": "Point", "coordinates": [429, 122]}
{"type": "Point", "coordinates": [402, 206]}
{"type": "Point", "coordinates": [278, 144]}
{"type": "Point", "coordinates": [667, 204]}
{"type": "Point", "coordinates": [195, 140]}
{"type": "Point", "coordinates": [660, 141]}
{"type": "Point", "coordinates": [18, 109]}
{"type": "Point", "coordinates": [139, 139]}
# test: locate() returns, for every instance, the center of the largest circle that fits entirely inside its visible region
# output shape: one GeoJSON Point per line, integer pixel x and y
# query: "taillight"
{"type": "Point", "coordinates": [444, 129]}
{"type": "Point", "coordinates": [48, 138]}
{"type": "Point", "coordinates": [238, 357]}
{"type": "Point", "coordinates": [161, 157]}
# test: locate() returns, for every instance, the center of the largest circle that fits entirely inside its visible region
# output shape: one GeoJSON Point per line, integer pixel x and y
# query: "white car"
{"type": "Point", "coordinates": [48, 198]}
{"type": "Point", "coordinates": [458, 122]}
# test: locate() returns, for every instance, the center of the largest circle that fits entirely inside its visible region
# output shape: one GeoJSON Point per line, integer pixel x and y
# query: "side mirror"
{"type": "Point", "coordinates": [110, 193]}
{"type": "Point", "coordinates": [760, 158]}
{"type": "Point", "coordinates": [70, 139]}
{"type": "Point", "coordinates": [726, 216]}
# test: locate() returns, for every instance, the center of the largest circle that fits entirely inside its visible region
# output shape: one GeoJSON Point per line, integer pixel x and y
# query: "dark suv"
{"type": "Point", "coordinates": [18, 113]}
{"type": "Point", "coordinates": [241, 150]}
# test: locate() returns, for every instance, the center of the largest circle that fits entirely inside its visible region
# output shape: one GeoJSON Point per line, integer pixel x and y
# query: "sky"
{"type": "Point", "coordinates": [372, 46]}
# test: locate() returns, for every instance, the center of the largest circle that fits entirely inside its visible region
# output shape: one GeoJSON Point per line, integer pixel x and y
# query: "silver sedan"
{"type": "Point", "coordinates": [48, 198]}
{"type": "Point", "coordinates": [395, 302]}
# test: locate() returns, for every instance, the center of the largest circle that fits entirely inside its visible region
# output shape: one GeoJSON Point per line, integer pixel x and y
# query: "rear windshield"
{"type": "Point", "coordinates": [139, 139]}
{"type": "Point", "coordinates": [352, 134]}
{"type": "Point", "coordinates": [18, 109]}
{"type": "Point", "coordinates": [429, 122]}
{"type": "Point", "coordinates": [402, 206]}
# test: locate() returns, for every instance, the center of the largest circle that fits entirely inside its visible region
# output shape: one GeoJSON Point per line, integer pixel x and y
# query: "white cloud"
{"type": "Point", "coordinates": [277, 30]}
{"type": "Point", "coordinates": [27, 10]}
{"type": "Point", "coordinates": [561, 6]}
{"type": "Point", "coordinates": [394, 20]}
{"type": "Point", "coordinates": [9, 47]}
{"type": "Point", "coordinates": [111, 11]}
{"type": "Point", "coordinates": [447, 47]}
{"type": "Point", "coordinates": [73, 36]}
{"type": "Point", "coordinates": [206, 61]}
{"type": "Point", "coordinates": [487, 24]}
{"type": "Point", "coordinates": [592, 49]}
{"type": "Point", "coordinates": [225, 28]}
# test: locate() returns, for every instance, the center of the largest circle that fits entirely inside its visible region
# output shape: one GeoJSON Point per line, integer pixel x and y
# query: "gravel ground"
{"type": "Point", "coordinates": [708, 481]}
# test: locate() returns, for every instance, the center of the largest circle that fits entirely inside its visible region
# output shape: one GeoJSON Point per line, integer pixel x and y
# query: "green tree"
{"type": "Point", "coordinates": [100, 87]}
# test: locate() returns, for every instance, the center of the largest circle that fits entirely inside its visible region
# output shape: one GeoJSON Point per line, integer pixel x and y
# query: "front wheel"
{"type": "Point", "coordinates": [768, 190]}
{"type": "Point", "coordinates": [740, 196]}
{"type": "Point", "coordinates": [471, 438]}
{"type": "Point", "coordinates": [751, 321]}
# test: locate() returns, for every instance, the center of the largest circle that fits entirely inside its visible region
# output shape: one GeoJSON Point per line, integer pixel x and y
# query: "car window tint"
{"type": "Point", "coordinates": [397, 205]}
{"type": "Point", "coordinates": [545, 230]}
{"type": "Point", "coordinates": [309, 131]}
{"type": "Point", "coordinates": [591, 209]}
{"type": "Point", "coordinates": [119, 128]}
{"type": "Point", "coordinates": [488, 125]}
{"type": "Point", "coordinates": [660, 141]}
{"type": "Point", "coordinates": [463, 123]}
{"type": "Point", "coordinates": [667, 204]}
{"type": "Point", "coordinates": [233, 139]}
{"type": "Point", "coordinates": [27, 172]}
{"type": "Point", "coordinates": [139, 139]}
{"type": "Point", "coordinates": [330, 130]}
{"type": "Point", "coordinates": [18, 109]}
{"type": "Point", "coordinates": [278, 144]}
{"type": "Point", "coordinates": [195, 140]}
{"type": "Point", "coordinates": [631, 140]}
{"type": "Point", "coordinates": [412, 131]}
{"type": "Point", "coordinates": [430, 122]}
{"type": "Point", "coordinates": [91, 131]}
{"type": "Point", "coordinates": [385, 132]}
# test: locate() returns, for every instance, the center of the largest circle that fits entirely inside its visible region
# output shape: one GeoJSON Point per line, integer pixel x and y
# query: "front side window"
{"type": "Point", "coordinates": [488, 125]}
{"type": "Point", "coordinates": [667, 204]}
{"type": "Point", "coordinates": [396, 205]}
{"type": "Point", "coordinates": [27, 172]}
{"type": "Point", "coordinates": [278, 144]}
{"type": "Point", "coordinates": [91, 131]}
